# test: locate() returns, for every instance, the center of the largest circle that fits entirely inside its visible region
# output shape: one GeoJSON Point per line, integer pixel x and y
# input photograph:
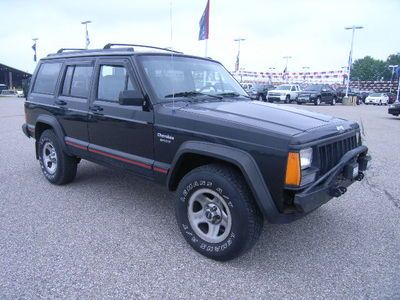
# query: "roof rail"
{"type": "Point", "coordinates": [110, 45]}
{"type": "Point", "coordinates": [69, 49]}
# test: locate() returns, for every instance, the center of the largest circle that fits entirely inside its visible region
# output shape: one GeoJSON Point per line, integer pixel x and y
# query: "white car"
{"type": "Point", "coordinates": [284, 92]}
{"type": "Point", "coordinates": [377, 98]}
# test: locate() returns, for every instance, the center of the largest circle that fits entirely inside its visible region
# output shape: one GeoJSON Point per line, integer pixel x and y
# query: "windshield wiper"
{"type": "Point", "coordinates": [191, 94]}
{"type": "Point", "coordinates": [232, 94]}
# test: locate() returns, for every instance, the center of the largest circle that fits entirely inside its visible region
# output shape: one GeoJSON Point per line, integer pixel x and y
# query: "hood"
{"type": "Point", "coordinates": [279, 91]}
{"type": "Point", "coordinates": [308, 92]}
{"type": "Point", "coordinates": [260, 116]}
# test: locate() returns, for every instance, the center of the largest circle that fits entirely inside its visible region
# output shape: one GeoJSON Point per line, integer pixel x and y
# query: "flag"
{"type": "Point", "coordinates": [285, 70]}
{"type": "Point", "coordinates": [87, 38]}
{"type": "Point", "coordinates": [204, 23]}
{"type": "Point", "coordinates": [34, 49]}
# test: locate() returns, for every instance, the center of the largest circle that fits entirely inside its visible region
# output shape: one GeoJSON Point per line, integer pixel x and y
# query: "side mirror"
{"type": "Point", "coordinates": [131, 97]}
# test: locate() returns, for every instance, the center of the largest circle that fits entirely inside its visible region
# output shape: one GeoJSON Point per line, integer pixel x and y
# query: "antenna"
{"type": "Point", "coordinates": [172, 53]}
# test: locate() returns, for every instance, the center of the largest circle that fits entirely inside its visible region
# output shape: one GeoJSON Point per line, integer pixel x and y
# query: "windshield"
{"type": "Point", "coordinates": [283, 88]}
{"type": "Point", "coordinates": [316, 87]}
{"type": "Point", "coordinates": [186, 76]}
{"type": "Point", "coordinates": [375, 95]}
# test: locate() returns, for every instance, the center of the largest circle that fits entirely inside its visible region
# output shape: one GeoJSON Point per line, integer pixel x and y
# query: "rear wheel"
{"type": "Point", "coordinates": [57, 166]}
{"type": "Point", "coordinates": [216, 212]}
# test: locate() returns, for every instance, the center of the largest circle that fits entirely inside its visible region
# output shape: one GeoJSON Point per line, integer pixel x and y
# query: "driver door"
{"type": "Point", "coordinates": [120, 135]}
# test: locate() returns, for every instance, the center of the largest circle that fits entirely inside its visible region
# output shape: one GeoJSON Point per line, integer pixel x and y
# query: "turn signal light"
{"type": "Point", "coordinates": [293, 170]}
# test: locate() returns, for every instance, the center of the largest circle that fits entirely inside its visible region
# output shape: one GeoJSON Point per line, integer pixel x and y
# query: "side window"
{"type": "Point", "coordinates": [77, 81]}
{"type": "Point", "coordinates": [113, 80]}
{"type": "Point", "coordinates": [293, 88]}
{"type": "Point", "coordinates": [46, 78]}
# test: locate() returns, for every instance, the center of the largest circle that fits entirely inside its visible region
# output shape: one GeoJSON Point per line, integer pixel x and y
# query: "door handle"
{"type": "Point", "coordinates": [60, 102]}
{"type": "Point", "coordinates": [96, 108]}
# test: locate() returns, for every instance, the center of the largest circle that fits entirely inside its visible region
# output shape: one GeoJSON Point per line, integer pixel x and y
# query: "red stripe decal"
{"type": "Point", "coordinates": [76, 145]}
{"type": "Point", "coordinates": [121, 159]}
{"type": "Point", "coordinates": [160, 170]}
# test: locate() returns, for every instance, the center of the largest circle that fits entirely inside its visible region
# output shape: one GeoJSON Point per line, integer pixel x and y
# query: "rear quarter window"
{"type": "Point", "coordinates": [46, 78]}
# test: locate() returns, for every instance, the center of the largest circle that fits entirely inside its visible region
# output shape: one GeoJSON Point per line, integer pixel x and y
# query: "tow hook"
{"type": "Point", "coordinates": [338, 191]}
{"type": "Point", "coordinates": [360, 176]}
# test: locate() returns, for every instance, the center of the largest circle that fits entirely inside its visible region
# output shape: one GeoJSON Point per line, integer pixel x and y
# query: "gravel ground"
{"type": "Point", "coordinates": [112, 235]}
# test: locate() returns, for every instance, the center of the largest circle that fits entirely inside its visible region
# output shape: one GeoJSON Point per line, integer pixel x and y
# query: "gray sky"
{"type": "Point", "coordinates": [312, 32]}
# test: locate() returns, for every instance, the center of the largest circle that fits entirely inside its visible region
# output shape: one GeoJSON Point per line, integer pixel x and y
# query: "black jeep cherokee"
{"type": "Point", "coordinates": [184, 121]}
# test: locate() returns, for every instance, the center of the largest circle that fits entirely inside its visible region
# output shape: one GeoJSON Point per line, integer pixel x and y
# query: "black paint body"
{"type": "Point", "coordinates": [150, 140]}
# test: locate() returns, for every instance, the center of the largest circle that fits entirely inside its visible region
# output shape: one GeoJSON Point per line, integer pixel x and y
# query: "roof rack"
{"type": "Point", "coordinates": [110, 45]}
{"type": "Point", "coordinates": [69, 49]}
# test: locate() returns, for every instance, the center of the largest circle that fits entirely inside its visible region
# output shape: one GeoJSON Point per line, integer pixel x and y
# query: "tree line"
{"type": "Point", "coordinates": [369, 68]}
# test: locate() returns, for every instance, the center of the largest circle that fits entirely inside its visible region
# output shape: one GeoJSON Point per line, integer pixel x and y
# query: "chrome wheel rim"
{"type": "Point", "coordinates": [318, 101]}
{"type": "Point", "coordinates": [260, 98]}
{"type": "Point", "coordinates": [209, 215]}
{"type": "Point", "coordinates": [49, 158]}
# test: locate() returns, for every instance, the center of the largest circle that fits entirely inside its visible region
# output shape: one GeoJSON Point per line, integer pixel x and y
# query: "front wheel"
{"type": "Point", "coordinates": [216, 212]}
{"type": "Point", "coordinates": [317, 101]}
{"type": "Point", "coordinates": [333, 101]}
{"type": "Point", "coordinates": [57, 166]}
{"type": "Point", "coordinates": [287, 99]}
{"type": "Point", "coordinates": [260, 98]}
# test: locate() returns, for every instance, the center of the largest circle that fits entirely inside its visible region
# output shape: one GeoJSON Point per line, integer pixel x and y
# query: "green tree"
{"type": "Point", "coordinates": [368, 68]}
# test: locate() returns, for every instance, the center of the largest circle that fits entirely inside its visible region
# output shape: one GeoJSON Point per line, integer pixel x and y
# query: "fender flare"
{"type": "Point", "coordinates": [53, 122]}
{"type": "Point", "coordinates": [247, 165]}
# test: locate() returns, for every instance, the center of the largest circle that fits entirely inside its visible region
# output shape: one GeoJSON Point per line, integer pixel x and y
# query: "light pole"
{"type": "Point", "coordinates": [393, 67]}
{"type": "Point", "coordinates": [237, 65]}
{"type": "Point", "coordinates": [87, 40]}
{"type": "Point", "coordinates": [353, 28]}
{"type": "Point", "coordinates": [287, 60]}
{"type": "Point", "coordinates": [270, 76]}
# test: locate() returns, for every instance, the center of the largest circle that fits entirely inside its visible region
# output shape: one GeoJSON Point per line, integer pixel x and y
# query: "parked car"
{"type": "Point", "coordinates": [377, 99]}
{"type": "Point", "coordinates": [232, 161]}
{"type": "Point", "coordinates": [8, 93]}
{"type": "Point", "coordinates": [259, 91]}
{"type": "Point", "coordinates": [341, 92]}
{"type": "Point", "coordinates": [394, 109]}
{"type": "Point", "coordinates": [3, 87]}
{"type": "Point", "coordinates": [363, 94]}
{"type": "Point", "coordinates": [317, 93]}
{"type": "Point", "coordinates": [392, 97]}
{"type": "Point", "coordinates": [247, 87]}
{"type": "Point", "coordinates": [284, 92]}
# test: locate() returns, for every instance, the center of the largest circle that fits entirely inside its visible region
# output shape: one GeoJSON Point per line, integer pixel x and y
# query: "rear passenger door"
{"type": "Point", "coordinates": [73, 98]}
{"type": "Point", "coordinates": [120, 135]}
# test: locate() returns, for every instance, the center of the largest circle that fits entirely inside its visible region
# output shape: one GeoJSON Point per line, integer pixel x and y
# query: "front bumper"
{"type": "Point", "coordinates": [335, 182]}
{"type": "Point", "coordinates": [276, 97]}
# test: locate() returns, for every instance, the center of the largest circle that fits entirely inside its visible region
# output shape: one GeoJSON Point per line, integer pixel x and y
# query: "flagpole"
{"type": "Point", "coordinates": [87, 42]}
{"type": "Point", "coordinates": [206, 48]}
{"type": "Point", "coordinates": [35, 49]}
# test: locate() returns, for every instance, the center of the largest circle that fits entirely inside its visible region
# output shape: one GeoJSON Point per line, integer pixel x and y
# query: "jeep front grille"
{"type": "Point", "coordinates": [330, 154]}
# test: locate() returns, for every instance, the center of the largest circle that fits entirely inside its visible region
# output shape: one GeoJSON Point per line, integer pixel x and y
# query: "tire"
{"type": "Point", "coordinates": [57, 167]}
{"type": "Point", "coordinates": [317, 101]}
{"type": "Point", "coordinates": [333, 101]}
{"type": "Point", "coordinates": [287, 99]}
{"type": "Point", "coordinates": [216, 197]}
{"type": "Point", "coordinates": [299, 103]}
{"type": "Point", "coordinates": [260, 98]}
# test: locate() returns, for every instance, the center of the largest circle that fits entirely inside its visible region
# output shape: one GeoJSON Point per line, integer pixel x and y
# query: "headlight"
{"type": "Point", "coordinates": [306, 158]}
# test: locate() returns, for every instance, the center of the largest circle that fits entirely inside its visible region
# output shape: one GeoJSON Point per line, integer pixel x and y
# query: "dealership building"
{"type": "Point", "coordinates": [12, 77]}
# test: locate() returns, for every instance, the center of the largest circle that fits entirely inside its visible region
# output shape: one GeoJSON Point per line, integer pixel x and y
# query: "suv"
{"type": "Point", "coordinates": [284, 92]}
{"type": "Point", "coordinates": [259, 91]}
{"type": "Point", "coordinates": [233, 162]}
{"type": "Point", "coordinates": [317, 93]}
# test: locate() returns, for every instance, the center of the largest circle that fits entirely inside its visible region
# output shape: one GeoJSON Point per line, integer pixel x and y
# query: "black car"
{"type": "Point", "coordinates": [185, 122]}
{"type": "Point", "coordinates": [259, 91]}
{"type": "Point", "coordinates": [317, 93]}
{"type": "Point", "coordinates": [341, 93]}
{"type": "Point", "coordinates": [394, 109]}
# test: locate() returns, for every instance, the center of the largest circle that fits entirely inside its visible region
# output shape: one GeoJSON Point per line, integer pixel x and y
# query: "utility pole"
{"type": "Point", "coordinates": [353, 28]}
{"type": "Point", "coordinates": [87, 40]}
{"type": "Point", "coordinates": [393, 67]}
{"type": "Point", "coordinates": [237, 65]}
